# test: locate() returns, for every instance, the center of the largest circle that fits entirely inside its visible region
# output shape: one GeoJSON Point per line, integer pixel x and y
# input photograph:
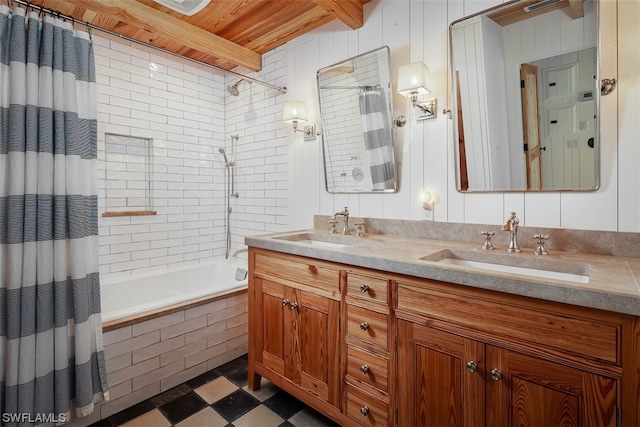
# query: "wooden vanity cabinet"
{"type": "Point", "coordinates": [471, 357]}
{"type": "Point", "coordinates": [369, 348]}
{"type": "Point", "coordinates": [294, 327]}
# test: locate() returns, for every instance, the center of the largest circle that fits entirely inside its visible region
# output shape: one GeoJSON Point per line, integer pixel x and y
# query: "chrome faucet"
{"type": "Point", "coordinates": [345, 215]}
{"type": "Point", "coordinates": [512, 227]}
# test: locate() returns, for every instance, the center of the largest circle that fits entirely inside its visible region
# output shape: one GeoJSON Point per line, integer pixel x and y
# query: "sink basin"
{"type": "Point", "coordinates": [519, 264]}
{"type": "Point", "coordinates": [334, 241]}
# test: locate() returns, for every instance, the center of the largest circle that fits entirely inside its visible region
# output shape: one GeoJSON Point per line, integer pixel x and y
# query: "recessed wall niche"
{"type": "Point", "coordinates": [128, 173]}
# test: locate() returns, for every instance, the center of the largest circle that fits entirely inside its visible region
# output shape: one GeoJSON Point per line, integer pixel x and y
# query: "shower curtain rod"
{"type": "Point", "coordinates": [281, 89]}
{"type": "Point", "coordinates": [350, 87]}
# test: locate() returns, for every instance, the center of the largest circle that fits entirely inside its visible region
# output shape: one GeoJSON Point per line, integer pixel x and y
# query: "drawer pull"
{"type": "Point", "coordinates": [496, 374]}
{"type": "Point", "coordinates": [285, 302]}
{"type": "Point", "coordinates": [364, 288]}
{"type": "Point", "coordinates": [364, 411]}
{"type": "Point", "coordinates": [294, 305]}
{"type": "Point", "coordinates": [472, 366]}
{"type": "Point", "coordinates": [364, 369]}
{"type": "Point", "coordinates": [364, 326]}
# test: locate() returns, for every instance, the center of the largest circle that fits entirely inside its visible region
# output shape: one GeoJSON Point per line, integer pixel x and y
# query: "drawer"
{"type": "Point", "coordinates": [368, 367]}
{"type": "Point", "coordinates": [575, 332]}
{"type": "Point", "coordinates": [369, 288]}
{"type": "Point", "coordinates": [366, 409]}
{"type": "Point", "coordinates": [290, 270]}
{"type": "Point", "coordinates": [367, 325]}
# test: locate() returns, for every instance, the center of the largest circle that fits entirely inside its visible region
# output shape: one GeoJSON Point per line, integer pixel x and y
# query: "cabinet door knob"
{"type": "Point", "coordinates": [472, 366]}
{"type": "Point", "coordinates": [364, 369]}
{"type": "Point", "coordinates": [496, 374]}
{"type": "Point", "coordinates": [364, 326]}
{"type": "Point", "coordinates": [364, 288]}
{"type": "Point", "coordinates": [285, 302]}
{"type": "Point", "coordinates": [364, 411]}
{"type": "Point", "coordinates": [294, 305]}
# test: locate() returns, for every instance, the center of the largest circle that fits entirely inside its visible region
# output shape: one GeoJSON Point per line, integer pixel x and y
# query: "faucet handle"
{"type": "Point", "coordinates": [487, 240]}
{"type": "Point", "coordinates": [333, 223]}
{"type": "Point", "coordinates": [359, 229]}
{"type": "Point", "coordinates": [540, 240]}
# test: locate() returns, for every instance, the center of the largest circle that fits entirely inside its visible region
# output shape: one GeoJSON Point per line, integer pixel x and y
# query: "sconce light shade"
{"type": "Point", "coordinates": [413, 79]}
{"type": "Point", "coordinates": [294, 112]}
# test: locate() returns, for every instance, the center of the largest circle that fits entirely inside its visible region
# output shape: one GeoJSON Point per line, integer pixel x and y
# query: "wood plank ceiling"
{"type": "Point", "coordinates": [226, 33]}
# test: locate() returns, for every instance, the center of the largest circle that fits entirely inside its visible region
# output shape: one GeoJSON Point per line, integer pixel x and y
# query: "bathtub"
{"type": "Point", "coordinates": [150, 292]}
{"type": "Point", "coordinates": [164, 328]}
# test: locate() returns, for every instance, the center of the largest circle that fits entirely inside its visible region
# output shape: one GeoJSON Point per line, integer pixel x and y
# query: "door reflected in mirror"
{"type": "Point", "coordinates": [357, 130]}
{"type": "Point", "coordinates": [525, 97]}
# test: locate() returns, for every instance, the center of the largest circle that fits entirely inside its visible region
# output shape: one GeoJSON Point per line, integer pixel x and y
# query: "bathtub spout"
{"type": "Point", "coordinates": [239, 251]}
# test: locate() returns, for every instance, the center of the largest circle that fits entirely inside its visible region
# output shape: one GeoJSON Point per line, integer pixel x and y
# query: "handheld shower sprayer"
{"type": "Point", "coordinates": [227, 163]}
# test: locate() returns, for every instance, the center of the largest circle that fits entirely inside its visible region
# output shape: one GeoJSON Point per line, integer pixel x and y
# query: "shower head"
{"type": "Point", "coordinates": [233, 89]}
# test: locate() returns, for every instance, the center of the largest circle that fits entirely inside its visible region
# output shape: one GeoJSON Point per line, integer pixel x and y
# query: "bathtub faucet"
{"type": "Point", "coordinates": [239, 251]}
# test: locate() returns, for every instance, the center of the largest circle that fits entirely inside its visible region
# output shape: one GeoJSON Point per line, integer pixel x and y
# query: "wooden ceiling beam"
{"type": "Point", "coordinates": [576, 9]}
{"type": "Point", "coordinates": [155, 21]}
{"type": "Point", "coordinates": [348, 11]}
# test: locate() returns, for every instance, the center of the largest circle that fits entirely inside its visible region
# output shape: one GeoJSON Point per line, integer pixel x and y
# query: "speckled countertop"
{"type": "Point", "coordinates": [613, 281]}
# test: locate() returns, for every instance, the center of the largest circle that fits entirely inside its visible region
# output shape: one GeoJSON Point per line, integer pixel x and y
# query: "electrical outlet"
{"type": "Point", "coordinates": [428, 214]}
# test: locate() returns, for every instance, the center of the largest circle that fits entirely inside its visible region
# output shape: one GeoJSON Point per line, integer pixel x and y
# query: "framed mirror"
{"type": "Point", "coordinates": [525, 97]}
{"type": "Point", "coordinates": [357, 128]}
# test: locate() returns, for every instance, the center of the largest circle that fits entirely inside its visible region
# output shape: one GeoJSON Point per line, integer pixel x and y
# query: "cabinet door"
{"type": "Point", "coordinates": [435, 387]}
{"type": "Point", "coordinates": [270, 345]}
{"type": "Point", "coordinates": [527, 391]}
{"type": "Point", "coordinates": [315, 350]}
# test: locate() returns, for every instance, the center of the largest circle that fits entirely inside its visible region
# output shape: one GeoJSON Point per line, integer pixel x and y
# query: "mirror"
{"type": "Point", "coordinates": [525, 97]}
{"type": "Point", "coordinates": [357, 129]}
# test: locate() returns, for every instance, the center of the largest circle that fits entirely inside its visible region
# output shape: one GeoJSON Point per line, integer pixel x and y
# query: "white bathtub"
{"type": "Point", "coordinates": [140, 293]}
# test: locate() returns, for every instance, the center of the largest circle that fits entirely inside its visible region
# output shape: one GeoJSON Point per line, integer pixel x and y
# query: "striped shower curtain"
{"type": "Point", "coordinates": [377, 139]}
{"type": "Point", "coordinates": [51, 352]}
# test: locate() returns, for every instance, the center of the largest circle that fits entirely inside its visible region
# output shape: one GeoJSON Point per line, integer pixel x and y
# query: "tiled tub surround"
{"type": "Point", "coordinates": [398, 246]}
{"type": "Point", "coordinates": [151, 353]}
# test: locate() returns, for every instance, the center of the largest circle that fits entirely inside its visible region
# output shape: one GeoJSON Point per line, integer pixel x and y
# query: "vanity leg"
{"type": "Point", "coordinates": [254, 379]}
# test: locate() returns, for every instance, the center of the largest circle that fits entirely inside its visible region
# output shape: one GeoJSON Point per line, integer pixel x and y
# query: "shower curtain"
{"type": "Point", "coordinates": [51, 351]}
{"type": "Point", "coordinates": [377, 139]}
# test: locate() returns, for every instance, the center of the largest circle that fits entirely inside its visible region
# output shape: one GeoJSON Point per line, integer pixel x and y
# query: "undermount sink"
{"type": "Point", "coordinates": [520, 264]}
{"type": "Point", "coordinates": [334, 241]}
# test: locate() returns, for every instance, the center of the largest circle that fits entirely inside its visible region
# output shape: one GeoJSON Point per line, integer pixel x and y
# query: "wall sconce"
{"type": "Point", "coordinates": [413, 80]}
{"type": "Point", "coordinates": [296, 112]}
{"type": "Point", "coordinates": [428, 200]}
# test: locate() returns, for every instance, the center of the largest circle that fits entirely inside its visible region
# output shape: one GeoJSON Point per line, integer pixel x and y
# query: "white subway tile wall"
{"type": "Point", "coordinates": [180, 106]}
{"type": "Point", "coordinates": [147, 358]}
{"type": "Point", "coordinates": [128, 168]}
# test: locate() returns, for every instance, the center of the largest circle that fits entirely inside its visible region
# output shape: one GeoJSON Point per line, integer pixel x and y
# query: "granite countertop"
{"type": "Point", "coordinates": [613, 281]}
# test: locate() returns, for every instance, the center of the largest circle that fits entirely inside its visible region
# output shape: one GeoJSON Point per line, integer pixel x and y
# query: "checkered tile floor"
{"type": "Point", "coordinates": [220, 398]}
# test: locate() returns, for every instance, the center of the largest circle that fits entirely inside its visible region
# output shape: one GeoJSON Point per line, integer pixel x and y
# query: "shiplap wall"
{"type": "Point", "coordinates": [418, 31]}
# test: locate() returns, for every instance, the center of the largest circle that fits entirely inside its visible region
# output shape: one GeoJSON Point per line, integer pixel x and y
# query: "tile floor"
{"type": "Point", "coordinates": [219, 398]}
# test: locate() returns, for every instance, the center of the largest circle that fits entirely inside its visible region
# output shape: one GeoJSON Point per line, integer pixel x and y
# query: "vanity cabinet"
{"type": "Point", "coordinates": [468, 357]}
{"type": "Point", "coordinates": [294, 320]}
{"type": "Point", "coordinates": [365, 347]}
